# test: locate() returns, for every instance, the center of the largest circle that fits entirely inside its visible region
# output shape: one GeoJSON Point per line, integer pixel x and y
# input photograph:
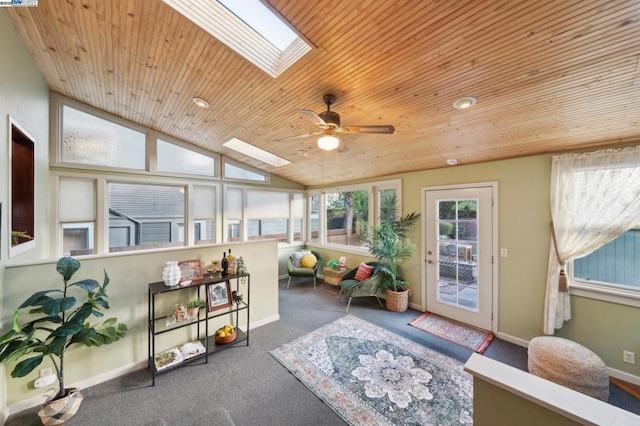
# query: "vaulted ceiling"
{"type": "Point", "coordinates": [549, 76]}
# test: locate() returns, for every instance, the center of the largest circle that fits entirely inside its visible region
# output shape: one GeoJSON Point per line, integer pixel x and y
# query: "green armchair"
{"type": "Point", "coordinates": [369, 287]}
{"type": "Point", "coordinates": [304, 272]}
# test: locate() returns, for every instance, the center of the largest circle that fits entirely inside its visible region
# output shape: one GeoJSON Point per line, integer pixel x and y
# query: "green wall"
{"type": "Point", "coordinates": [23, 96]}
{"type": "Point", "coordinates": [128, 294]}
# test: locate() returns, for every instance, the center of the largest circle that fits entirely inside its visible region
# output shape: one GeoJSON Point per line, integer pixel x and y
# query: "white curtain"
{"type": "Point", "coordinates": [595, 197]}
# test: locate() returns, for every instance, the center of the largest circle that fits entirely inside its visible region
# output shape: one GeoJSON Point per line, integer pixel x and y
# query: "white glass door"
{"type": "Point", "coordinates": [459, 250]}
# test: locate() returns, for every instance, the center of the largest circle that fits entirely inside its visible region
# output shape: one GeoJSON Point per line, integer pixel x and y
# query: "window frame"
{"type": "Point", "coordinates": [225, 178]}
{"type": "Point", "coordinates": [373, 188]}
{"type": "Point", "coordinates": [602, 290]}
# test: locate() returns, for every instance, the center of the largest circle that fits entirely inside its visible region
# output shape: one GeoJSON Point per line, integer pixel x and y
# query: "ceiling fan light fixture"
{"type": "Point", "coordinates": [464, 102]}
{"type": "Point", "coordinates": [328, 140]}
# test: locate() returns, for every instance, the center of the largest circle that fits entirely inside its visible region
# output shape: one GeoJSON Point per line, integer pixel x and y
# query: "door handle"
{"type": "Point", "coordinates": [430, 261]}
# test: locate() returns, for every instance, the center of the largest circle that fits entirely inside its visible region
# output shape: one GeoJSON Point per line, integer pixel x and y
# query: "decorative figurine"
{"type": "Point", "coordinates": [242, 268]}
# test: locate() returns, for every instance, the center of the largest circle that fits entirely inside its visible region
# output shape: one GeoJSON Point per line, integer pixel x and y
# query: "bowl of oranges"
{"type": "Point", "coordinates": [226, 334]}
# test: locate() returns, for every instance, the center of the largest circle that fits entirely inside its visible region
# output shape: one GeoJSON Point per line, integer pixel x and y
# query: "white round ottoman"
{"type": "Point", "coordinates": [568, 364]}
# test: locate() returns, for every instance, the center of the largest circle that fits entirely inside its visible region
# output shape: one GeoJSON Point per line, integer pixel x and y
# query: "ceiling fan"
{"type": "Point", "coordinates": [329, 123]}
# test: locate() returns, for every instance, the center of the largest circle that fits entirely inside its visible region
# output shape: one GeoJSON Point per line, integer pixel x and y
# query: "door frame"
{"type": "Point", "coordinates": [494, 243]}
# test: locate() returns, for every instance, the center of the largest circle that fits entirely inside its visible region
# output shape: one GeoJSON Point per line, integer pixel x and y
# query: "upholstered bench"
{"type": "Point", "coordinates": [569, 364]}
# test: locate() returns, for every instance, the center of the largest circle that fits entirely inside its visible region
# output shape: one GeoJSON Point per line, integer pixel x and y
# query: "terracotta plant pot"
{"type": "Point", "coordinates": [397, 301]}
{"type": "Point", "coordinates": [193, 312]}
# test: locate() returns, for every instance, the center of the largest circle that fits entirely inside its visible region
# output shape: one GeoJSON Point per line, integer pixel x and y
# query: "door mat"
{"type": "Point", "coordinates": [461, 334]}
{"type": "Point", "coordinates": [371, 376]}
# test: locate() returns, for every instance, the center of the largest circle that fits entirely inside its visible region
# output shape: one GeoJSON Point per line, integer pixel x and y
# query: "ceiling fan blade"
{"type": "Point", "coordinates": [313, 117]}
{"type": "Point", "coordinates": [298, 137]}
{"type": "Point", "coordinates": [342, 147]}
{"type": "Point", "coordinates": [385, 130]}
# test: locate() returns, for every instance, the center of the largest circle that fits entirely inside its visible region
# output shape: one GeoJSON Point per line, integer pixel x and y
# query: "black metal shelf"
{"type": "Point", "coordinates": [157, 327]}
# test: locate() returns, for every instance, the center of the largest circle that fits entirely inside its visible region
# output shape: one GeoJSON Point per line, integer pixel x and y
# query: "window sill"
{"type": "Point", "coordinates": [620, 296]}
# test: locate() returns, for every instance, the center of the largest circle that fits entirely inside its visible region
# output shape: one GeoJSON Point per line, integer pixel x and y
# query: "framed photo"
{"type": "Point", "coordinates": [190, 270]}
{"type": "Point", "coordinates": [218, 295]}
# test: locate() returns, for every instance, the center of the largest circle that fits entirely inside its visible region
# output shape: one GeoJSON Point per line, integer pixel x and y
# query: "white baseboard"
{"type": "Point", "coordinates": [4, 416]}
{"type": "Point", "coordinates": [629, 378]}
{"type": "Point", "coordinates": [511, 339]}
{"type": "Point", "coordinates": [264, 321]}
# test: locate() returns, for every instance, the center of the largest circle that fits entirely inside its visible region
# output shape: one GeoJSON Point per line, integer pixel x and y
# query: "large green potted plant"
{"type": "Point", "coordinates": [55, 321]}
{"type": "Point", "coordinates": [387, 241]}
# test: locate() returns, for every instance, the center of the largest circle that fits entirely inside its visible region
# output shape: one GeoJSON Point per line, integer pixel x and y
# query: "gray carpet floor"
{"type": "Point", "coordinates": [248, 385]}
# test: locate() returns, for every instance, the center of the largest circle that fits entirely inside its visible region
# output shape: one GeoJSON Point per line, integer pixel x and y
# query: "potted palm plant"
{"type": "Point", "coordinates": [55, 322]}
{"type": "Point", "coordinates": [387, 242]}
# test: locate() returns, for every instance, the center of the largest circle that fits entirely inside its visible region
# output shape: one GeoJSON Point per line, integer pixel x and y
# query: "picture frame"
{"type": "Point", "coordinates": [218, 296]}
{"type": "Point", "coordinates": [190, 270]}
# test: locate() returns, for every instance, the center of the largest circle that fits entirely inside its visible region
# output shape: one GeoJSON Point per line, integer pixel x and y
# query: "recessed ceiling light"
{"type": "Point", "coordinates": [452, 161]}
{"type": "Point", "coordinates": [200, 102]}
{"type": "Point", "coordinates": [465, 102]}
{"type": "Point", "coordinates": [303, 153]}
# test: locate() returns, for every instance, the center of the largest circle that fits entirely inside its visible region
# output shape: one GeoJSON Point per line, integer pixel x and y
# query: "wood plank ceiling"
{"type": "Point", "coordinates": [549, 76]}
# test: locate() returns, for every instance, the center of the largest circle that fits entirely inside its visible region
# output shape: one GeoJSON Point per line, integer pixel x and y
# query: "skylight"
{"type": "Point", "coordinates": [249, 28]}
{"type": "Point", "coordinates": [255, 152]}
{"type": "Point", "coordinates": [263, 21]}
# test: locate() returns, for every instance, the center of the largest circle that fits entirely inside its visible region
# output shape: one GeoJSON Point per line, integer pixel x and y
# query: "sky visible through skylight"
{"type": "Point", "coordinates": [262, 20]}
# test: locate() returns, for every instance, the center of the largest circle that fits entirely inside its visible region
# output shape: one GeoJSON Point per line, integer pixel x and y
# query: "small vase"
{"type": "Point", "coordinates": [171, 274]}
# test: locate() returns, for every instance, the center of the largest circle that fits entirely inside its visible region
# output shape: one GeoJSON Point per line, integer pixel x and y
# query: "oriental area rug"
{"type": "Point", "coordinates": [455, 332]}
{"type": "Point", "coordinates": [370, 376]}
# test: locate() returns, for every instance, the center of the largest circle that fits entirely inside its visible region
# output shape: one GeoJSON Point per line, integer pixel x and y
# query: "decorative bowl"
{"type": "Point", "coordinates": [227, 339]}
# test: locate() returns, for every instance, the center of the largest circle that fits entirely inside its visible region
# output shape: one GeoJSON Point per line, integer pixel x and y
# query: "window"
{"type": "Point", "coordinates": [94, 141]}
{"type": "Point", "coordinates": [204, 214]}
{"type": "Point", "coordinates": [145, 216]}
{"type": "Point", "coordinates": [234, 206]}
{"type": "Point", "coordinates": [77, 215]}
{"type": "Point", "coordinates": [77, 239]}
{"type": "Point", "coordinates": [344, 211]}
{"type": "Point", "coordinates": [340, 218]}
{"type": "Point", "coordinates": [595, 205]}
{"type": "Point", "coordinates": [614, 264]}
{"type": "Point", "coordinates": [174, 158]}
{"type": "Point", "coordinates": [233, 171]}
{"type": "Point", "coordinates": [297, 216]}
{"type": "Point", "coordinates": [314, 218]}
{"type": "Point", "coordinates": [268, 215]}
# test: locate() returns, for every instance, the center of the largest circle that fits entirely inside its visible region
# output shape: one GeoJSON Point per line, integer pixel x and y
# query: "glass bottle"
{"type": "Point", "coordinates": [225, 264]}
{"type": "Point", "coordinates": [231, 263]}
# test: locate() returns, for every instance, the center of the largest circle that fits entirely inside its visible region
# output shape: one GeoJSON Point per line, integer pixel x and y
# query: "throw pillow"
{"type": "Point", "coordinates": [296, 257]}
{"type": "Point", "coordinates": [364, 272]}
{"type": "Point", "coordinates": [308, 260]}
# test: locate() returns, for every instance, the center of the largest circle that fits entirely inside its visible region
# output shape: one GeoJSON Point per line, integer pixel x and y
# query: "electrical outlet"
{"type": "Point", "coordinates": [46, 371]}
{"type": "Point", "coordinates": [504, 252]}
{"type": "Point", "coordinates": [629, 357]}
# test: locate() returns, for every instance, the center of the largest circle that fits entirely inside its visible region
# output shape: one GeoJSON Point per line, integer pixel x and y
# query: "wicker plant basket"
{"type": "Point", "coordinates": [60, 410]}
{"type": "Point", "coordinates": [397, 301]}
